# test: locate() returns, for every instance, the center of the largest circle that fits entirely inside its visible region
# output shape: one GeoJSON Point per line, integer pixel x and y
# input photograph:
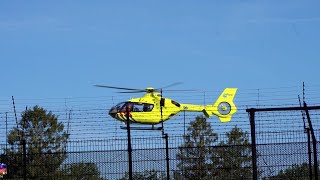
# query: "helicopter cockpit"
{"type": "Point", "coordinates": [132, 107]}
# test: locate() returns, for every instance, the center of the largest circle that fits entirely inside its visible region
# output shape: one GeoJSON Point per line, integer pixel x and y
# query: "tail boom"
{"type": "Point", "coordinates": [224, 107]}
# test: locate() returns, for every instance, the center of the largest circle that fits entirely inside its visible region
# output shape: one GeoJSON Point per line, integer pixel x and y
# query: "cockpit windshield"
{"type": "Point", "coordinates": [117, 107]}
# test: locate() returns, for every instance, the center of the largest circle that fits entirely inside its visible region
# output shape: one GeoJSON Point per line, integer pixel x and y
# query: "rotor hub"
{"type": "Point", "coordinates": [150, 89]}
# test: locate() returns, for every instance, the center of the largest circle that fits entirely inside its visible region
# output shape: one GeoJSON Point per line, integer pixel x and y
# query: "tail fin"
{"type": "Point", "coordinates": [224, 107]}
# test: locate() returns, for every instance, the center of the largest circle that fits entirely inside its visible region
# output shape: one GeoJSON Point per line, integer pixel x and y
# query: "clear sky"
{"type": "Point", "coordinates": [61, 48]}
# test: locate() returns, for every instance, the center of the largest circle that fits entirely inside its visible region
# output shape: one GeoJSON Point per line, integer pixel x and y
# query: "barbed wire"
{"type": "Point", "coordinates": [89, 115]}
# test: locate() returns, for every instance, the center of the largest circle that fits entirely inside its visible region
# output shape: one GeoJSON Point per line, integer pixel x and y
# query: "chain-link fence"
{"type": "Point", "coordinates": [284, 142]}
{"type": "Point", "coordinates": [108, 159]}
{"type": "Point", "coordinates": [282, 145]}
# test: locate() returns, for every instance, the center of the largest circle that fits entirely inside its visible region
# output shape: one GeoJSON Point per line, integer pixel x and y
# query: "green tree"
{"type": "Point", "coordinates": [232, 157]}
{"type": "Point", "coordinates": [80, 171]}
{"type": "Point", "coordinates": [194, 155]}
{"type": "Point", "coordinates": [45, 145]}
{"type": "Point", "coordinates": [146, 175]}
{"type": "Point", "coordinates": [294, 172]}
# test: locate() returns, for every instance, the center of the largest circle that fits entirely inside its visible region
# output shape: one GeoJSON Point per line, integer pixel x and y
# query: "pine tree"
{"type": "Point", "coordinates": [194, 154]}
{"type": "Point", "coordinates": [45, 145]}
{"type": "Point", "coordinates": [232, 157]}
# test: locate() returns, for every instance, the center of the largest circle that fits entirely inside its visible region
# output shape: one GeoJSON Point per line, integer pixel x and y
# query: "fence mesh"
{"type": "Point", "coordinates": [282, 144]}
{"type": "Point", "coordinates": [281, 147]}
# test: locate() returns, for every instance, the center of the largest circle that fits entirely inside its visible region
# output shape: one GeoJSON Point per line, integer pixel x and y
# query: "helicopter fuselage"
{"type": "Point", "coordinates": [153, 109]}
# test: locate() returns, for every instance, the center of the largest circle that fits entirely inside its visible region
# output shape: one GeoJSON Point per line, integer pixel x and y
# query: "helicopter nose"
{"type": "Point", "coordinates": [112, 114]}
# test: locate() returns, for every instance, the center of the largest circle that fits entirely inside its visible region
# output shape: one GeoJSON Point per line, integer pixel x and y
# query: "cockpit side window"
{"type": "Point", "coordinates": [138, 107]}
{"type": "Point", "coordinates": [124, 106]}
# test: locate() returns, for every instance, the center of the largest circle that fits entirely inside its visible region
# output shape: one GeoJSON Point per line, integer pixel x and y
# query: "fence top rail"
{"type": "Point", "coordinates": [282, 109]}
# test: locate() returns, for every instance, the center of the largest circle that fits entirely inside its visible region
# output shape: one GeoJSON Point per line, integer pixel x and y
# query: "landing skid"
{"type": "Point", "coordinates": [152, 128]}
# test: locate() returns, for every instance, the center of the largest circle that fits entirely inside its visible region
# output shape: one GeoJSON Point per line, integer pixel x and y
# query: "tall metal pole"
{"type": "Point", "coordinates": [307, 131]}
{"type": "Point", "coordinates": [165, 136]}
{"type": "Point", "coordinates": [309, 153]}
{"type": "Point", "coordinates": [253, 144]}
{"type": "Point", "coordinates": [15, 115]}
{"type": "Point", "coordinates": [6, 131]}
{"type": "Point", "coordinates": [314, 142]}
{"type": "Point", "coordinates": [184, 140]}
{"type": "Point", "coordinates": [129, 143]}
{"type": "Point", "coordinates": [184, 124]}
{"type": "Point", "coordinates": [24, 149]}
{"type": "Point", "coordinates": [167, 156]}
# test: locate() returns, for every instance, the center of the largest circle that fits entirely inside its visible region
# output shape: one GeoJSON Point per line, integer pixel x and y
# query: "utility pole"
{"type": "Point", "coordinates": [6, 130]}
{"type": "Point", "coordinates": [314, 142]}
{"type": "Point", "coordinates": [129, 143]}
{"type": "Point", "coordinates": [253, 145]}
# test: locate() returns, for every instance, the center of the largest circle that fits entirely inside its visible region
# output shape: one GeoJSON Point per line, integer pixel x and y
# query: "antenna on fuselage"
{"type": "Point", "coordinates": [162, 104]}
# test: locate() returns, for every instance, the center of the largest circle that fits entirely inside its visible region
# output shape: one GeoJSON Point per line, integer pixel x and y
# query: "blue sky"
{"type": "Point", "coordinates": [61, 48]}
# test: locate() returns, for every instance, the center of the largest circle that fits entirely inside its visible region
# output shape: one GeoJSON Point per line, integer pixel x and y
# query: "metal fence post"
{"type": "Point", "coordinates": [309, 153]}
{"type": "Point", "coordinates": [167, 156]}
{"type": "Point", "coordinates": [314, 143]}
{"type": "Point", "coordinates": [129, 143]}
{"type": "Point", "coordinates": [253, 143]}
{"type": "Point", "coordinates": [24, 149]}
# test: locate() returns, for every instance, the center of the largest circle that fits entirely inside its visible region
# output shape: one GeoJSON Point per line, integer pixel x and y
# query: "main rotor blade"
{"type": "Point", "coordinates": [181, 90]}
{"type": "Point", "coordinates": [114, 87]}
{"type": "Point", "coordinates": [174, 84]}
{"type": "Point", "coordinates": [132, 91]}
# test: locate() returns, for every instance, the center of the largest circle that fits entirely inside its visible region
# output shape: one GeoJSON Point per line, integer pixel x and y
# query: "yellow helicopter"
{"type": "Point", "coordinates": [153, 109]}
